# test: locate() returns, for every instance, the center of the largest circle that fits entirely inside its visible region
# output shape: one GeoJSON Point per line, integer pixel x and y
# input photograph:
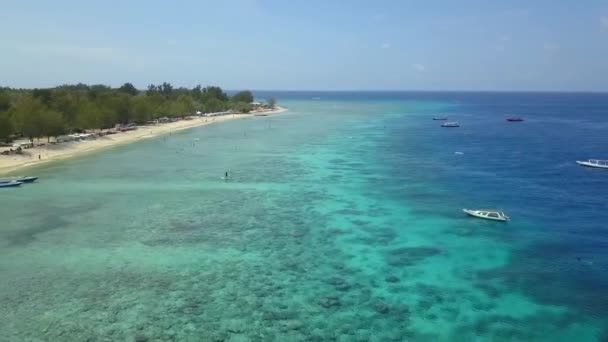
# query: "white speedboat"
{"type": "Point", "coordinates": [488, 214]}
{"type": "Point", "coordinates": [601, 164]}
{"type": "Point", "coordinates": [451, 124]}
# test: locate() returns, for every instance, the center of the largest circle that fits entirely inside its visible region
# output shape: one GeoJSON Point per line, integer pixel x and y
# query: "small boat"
{"type": "Point", "coordinates": [515, 119]}
{"type": "Point", "coordinates": [597, 163]}
{"type": "Point", "coordinates": [10, 184]}
{"type": "Point", "coordinates": [20, 179]}
{"type": "Point", "coordinates": [488, 214]}
{"type": "Point", "coordinates": [440, 118]}
{"type": "Point", "coordinates": [451, 124]}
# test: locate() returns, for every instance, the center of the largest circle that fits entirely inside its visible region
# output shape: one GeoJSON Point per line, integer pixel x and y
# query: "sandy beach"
{"type": "Point", "coordinates": [52, 152]}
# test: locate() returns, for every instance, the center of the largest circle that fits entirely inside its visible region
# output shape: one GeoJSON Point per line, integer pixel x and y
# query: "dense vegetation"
{"type": "Point", "coordinates": [35, 113]}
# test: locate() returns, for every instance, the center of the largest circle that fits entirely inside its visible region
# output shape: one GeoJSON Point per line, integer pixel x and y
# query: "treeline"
{"type": "Point", "coordinates": [35, 113]}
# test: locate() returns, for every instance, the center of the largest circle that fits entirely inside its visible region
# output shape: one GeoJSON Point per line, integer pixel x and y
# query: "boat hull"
{"type": "Point", "coordinates": [10, 184]}
{"type": "Point", "coordinates": [19, 179]}
{"type": "Point", "coordinates": [588, 164]}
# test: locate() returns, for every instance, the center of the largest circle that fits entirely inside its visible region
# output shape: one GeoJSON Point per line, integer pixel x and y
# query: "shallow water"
{"type": "Point", "coordinates": [342, 223]}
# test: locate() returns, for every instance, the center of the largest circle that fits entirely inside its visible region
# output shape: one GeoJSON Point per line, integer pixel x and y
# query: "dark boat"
{"type": "Point", "coordinates": [19, 179]}
{"type": "Point", "coordinates": [10, 184]}
{"type": "Point", "coordinates": [515, 119]}
{"type": "Point", "coordinates": [440, 118]}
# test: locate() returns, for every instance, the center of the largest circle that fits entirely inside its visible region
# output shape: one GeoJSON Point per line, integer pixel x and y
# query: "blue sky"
{"type": "Point", "coordinates": [308, 45]}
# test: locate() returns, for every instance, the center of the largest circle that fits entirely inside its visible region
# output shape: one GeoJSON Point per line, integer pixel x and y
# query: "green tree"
{"type": "Point", "coordinates": [90, 115]}
{"type": "Point", "coordinates": [118, 105]}
{"type": "Point", "coordinates": [52, 123]}
{"type": "Point", "coordinates": [242, 107]}
{"type": "Point", "coordinates": [27, 113]}
{"type": "Point", "coordinates": [243, 96]}
{"type": "Point", "coordinates": [272, 102]}
{"type": "Point", "coordinates": [152, 89]}
{"type": "Point", "coordinates": [197, 92]}
{"type": "Point", "coordinates": [156, 102]}
{"type": "Point", "coordinates": [214, 93]}
{"type": "Point", "coordinates": [181, 106]}
{"type": "Point", "coordinates": [128, 88]}
{"type": "Point", "coordinates": [166, 89]}
{"type": "Point", "coordinates": [6, 127]}
{"type": "Point", "coordinates": [98, 89]}
{"type": "Point", "coordinates": [53, 111]}
{"type": "Point", "coordinates": [213, 105]}
{"type": "Point", "coordinates": [44, 95]}
{"type": "Point", "coordinates": [142, 109]}
{"type": "Point", "coordinates": [66, 103]}
{"type": "Point", "coordinates": [5, 101]}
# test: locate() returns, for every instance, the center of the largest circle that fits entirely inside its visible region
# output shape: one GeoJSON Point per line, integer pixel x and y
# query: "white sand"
{"type": "Point", "coordinates": [51, 152]}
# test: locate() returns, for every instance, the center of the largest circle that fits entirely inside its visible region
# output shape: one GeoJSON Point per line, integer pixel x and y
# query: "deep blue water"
{"type": "Point", "coordinates": [559, 210]}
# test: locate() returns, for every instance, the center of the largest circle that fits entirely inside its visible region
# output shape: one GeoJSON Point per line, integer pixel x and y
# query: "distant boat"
{"type": "Point", "coordinates": [10, 184]}
{"type": "Point", "coordinates": [316, 98]}
{"type": "Point", "coordinates": [597, 163]}
{"type": "Point", "coordinates": [451, 124]}
{"type": "Point", "coordinates": [515, 119]}
{"type": "Point", "coordinates": [20, 179]}
{"type": "Point", "coordinates": [488, 214]}
{"type": "Point", "coordinates": [440, 118]}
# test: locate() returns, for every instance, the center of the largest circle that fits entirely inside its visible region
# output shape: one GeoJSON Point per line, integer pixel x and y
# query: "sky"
{"type": "Point", "coordinates": [308, 45]}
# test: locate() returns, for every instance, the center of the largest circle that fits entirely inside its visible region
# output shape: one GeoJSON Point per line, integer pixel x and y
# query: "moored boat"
{"type": "Point", "coordinates": [488, 214]}
{"type": "Point", "coordinates": [440, 118]}
{"type": "Point", "coordinates": [20, 179]}
{"type": "Point", "coordinates": [10, 184]}
{"type": "Point", "coordinates": [451, 124]}
{"type": "Point", "coordinates": [597, 163]}
{"type": "Point", "coordinates": [515, 119]}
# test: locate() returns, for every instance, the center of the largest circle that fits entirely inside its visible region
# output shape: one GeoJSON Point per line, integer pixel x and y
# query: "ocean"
{"type": "Point", "coordinates": [342, 222]}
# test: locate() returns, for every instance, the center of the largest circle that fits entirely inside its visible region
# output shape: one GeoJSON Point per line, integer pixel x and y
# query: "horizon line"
{"type": "Point", "coordinates": [349, 90]}
{"type": "Point", "coordinates": [432, 91]}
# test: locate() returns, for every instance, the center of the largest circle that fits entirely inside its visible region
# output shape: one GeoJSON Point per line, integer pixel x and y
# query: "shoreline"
{"type": "Point", "coordinates": [55, 152]}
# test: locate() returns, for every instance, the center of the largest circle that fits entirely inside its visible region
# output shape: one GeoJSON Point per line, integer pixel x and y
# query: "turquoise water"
{"type": "Point", "coordinates": [342, 223]}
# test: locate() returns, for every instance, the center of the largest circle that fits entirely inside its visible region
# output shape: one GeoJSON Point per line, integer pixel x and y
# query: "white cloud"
{"type": "Point", "coordinates": [419, 67]}
{"type": "Point", "coordinates": [386, 45]}
{"type": "Point", "coordinates": [604, 22]}
{"type": "Point", "coordinates": [499, 48]}
{"type": "Point", "coordinates": [547, 46]}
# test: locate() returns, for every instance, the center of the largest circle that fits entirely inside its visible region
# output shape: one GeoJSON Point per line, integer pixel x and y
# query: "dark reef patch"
{"type": "Point", "coordinates": [408, 256]}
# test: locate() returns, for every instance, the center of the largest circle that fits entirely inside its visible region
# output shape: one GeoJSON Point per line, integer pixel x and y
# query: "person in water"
{"type": "Point", "coordinates": [226, 175]}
